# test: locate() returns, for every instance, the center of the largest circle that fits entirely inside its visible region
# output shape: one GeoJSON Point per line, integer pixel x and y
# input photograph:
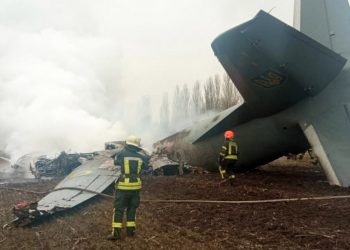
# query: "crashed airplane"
{"type": "Point", "coordinates": [296, 90]}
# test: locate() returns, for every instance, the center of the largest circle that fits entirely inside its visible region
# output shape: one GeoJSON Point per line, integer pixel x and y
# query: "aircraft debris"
{"type": "Point", "coordinates": [93, 176]}
{"type": "Point", "coordinates": [301, 156]}
{"type": "Point", "coordinates": [162, 165]}
{"type": "Point", "coordinates": [118, 145]}
{"type": "Point", "coordinates": [25, 213]}
{"type": "Point", "coordinates": [4, 161]}
{"type": "Point", "coordinates": [88, 175]}
{"type": "Point", "coordinates": [96, 175]}
{"type": "Point", "coordinates": [59, 166]}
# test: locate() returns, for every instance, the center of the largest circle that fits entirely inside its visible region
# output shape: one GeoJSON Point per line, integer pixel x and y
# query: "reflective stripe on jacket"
{"type": "Point", "coordinates": [130, 177]}
{"type": "Point", "coordinates": [131, 161]}
{"type": "Point", "coordinates": [229, 151]}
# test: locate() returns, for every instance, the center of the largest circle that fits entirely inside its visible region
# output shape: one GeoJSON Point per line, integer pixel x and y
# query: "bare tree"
{"type": "Point", "coordinates": [197, 99]}
{"type": "Point", "coordinates": [185, 101]}
{"type": "Point", "coordinates": [230, 95]}
{"type": "Point", "coordinates": [144, 112]}
{"type": "Point", "coordinates": [217, 93]}
{"type": "Point", "coordinates": [209, 94]}
{"type": "Point", "coordinates": [164, 113]}
{"type": "Point", "coordinates": [176, 105]}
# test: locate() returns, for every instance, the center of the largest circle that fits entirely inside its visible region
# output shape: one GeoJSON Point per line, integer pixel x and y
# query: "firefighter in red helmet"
{"type": "Point", "coordinates": [228, 156]}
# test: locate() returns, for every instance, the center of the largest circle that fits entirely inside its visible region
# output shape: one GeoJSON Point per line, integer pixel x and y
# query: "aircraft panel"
{"type": "Point", "coordinates": [96, 175]}
{"type": "Point", "coordinates": [325, 21]}
{"type": "Point", "coordinates": [329, 135]}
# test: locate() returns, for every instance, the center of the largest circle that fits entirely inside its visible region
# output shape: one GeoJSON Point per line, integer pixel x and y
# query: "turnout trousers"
{"type": "Point", "coordinates": [128, 200]}
{"type": "Point", "coordinates": [226, 169]}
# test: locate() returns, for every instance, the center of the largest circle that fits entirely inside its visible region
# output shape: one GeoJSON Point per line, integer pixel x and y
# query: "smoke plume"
{"type": "Point", "coordinates": [59, 85]}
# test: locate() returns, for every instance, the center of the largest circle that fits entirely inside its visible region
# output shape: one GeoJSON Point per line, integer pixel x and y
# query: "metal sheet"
{"type": "Point", "coordinates": [95, 175]}
{"type": "Point", "coordinates": [159, 161]}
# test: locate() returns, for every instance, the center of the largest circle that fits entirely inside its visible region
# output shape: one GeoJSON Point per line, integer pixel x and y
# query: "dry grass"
{"type": "Point", "coordinates": [296, 225]}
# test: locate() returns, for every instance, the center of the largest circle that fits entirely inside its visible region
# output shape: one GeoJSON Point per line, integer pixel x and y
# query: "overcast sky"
{"type": "Point", "coordinates": [74, 69]}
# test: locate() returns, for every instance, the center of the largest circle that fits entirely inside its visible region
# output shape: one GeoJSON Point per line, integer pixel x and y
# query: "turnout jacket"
{"type": "Point", "coordinates": [229, 151]}
{"type": "Point", "coordinates": [131, 160]}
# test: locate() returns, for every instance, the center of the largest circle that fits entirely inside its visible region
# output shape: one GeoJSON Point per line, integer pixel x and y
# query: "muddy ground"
{"type": "Point", "coordinates": [287, 225]}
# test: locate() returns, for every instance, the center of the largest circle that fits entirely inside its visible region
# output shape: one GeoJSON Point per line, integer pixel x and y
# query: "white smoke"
{"type": "Point", "coordinates": [63, 64]}
{"type": "Point", "coordinates": [59, 88]}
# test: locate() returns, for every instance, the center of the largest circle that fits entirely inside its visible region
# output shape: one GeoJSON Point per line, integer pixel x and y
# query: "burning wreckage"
{"type": "Point", "coordinates": [87, 176]}
{"type": "Point", "coordinates": [60, 166]}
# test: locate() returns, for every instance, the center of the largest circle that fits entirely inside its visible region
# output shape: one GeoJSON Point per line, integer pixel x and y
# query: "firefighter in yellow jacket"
{"type": "Point", "coordinates": [127, 194]}
{"type": "Point", "coordinates": [228, 156]}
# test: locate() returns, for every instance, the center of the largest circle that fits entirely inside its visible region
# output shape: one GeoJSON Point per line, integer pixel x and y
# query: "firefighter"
{"type": "Point", "coordinates": [127, 188]}
{"type": "Point", "coordinates": [228, 157]}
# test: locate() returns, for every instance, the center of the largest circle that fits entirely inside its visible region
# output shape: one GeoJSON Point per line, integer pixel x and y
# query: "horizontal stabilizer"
{"type": "Point", "coordinates": [224, 120]}
{"type": "Point", "coordinates": [273, 65]}
{"type": "Point", "coordinates": [213, 125]}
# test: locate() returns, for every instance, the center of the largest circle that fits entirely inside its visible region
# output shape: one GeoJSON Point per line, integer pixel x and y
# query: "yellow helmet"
{"type": "Point", "coordinates": [133, 140]}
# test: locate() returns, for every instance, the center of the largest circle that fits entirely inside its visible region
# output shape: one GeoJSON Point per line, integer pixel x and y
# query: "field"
{"type": "Point", "coordinates": [322, 224]}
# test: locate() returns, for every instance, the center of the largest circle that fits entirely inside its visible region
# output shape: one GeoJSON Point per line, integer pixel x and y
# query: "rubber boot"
{"type": "Point", "coordinates": [130, 231]}
{"type": "Point", "coordinates": [222, 172]}
{"type": "Point", "coordinates": [231, 179]}
{"type": "Point", "coordinates": [116, 235]}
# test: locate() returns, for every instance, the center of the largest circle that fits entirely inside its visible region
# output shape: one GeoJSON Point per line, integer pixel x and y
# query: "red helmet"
{"type": "Point", "coordinates": [229, 134]}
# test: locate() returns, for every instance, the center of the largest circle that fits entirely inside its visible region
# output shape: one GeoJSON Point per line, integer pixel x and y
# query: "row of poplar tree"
{"type": "Point", "coordinates": [215, 94]}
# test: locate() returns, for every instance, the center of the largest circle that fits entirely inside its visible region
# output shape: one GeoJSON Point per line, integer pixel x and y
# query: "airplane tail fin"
{"type": "Point", "coordinates": [326, 21]}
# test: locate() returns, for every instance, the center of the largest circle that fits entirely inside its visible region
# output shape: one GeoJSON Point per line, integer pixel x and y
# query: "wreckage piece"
{"type": "Point", "coordinates": [95, 175]}
{"type": "Point", "coordinates": [162, 165]}
{"type": "Point", "coordinates": [296, 90]}
{"type": "Point", "coordinates": [60, 166]}
{"type": "Point", "coordinates": [117, 145]}
{"type": "Point", "coordinates": [4, 163]}
{"type": "Point", "coordinates": [20, 170]}
{"type": "Point", "coordinates": [35, 165]}
{"type": "Point", "coordinates": [86, 181]}
{"type": "Point", "coordinates": [91, 178]}
{"type": "Point", "coordinates": [25, 213]}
